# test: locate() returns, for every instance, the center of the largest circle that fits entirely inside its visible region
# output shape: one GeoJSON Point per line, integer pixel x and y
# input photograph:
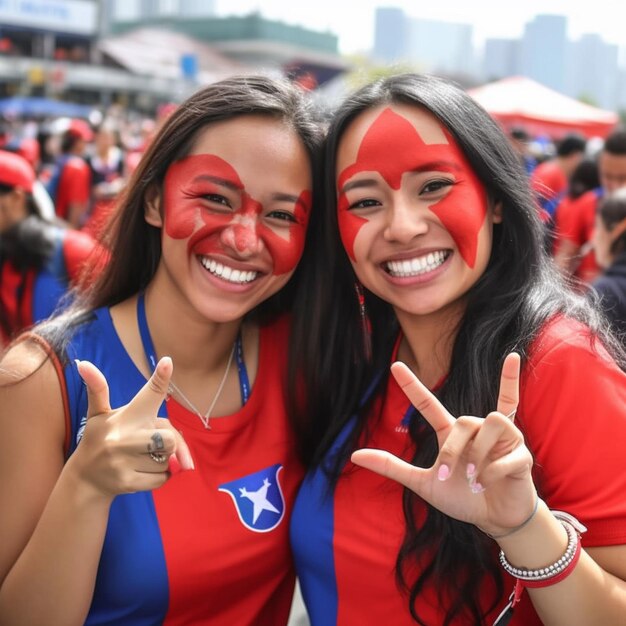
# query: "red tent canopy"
{"type": "Point", "coordinates": [520, 101]}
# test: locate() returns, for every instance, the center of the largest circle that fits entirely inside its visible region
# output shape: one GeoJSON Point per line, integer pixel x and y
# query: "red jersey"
{"type": "Point", "coordinates": [74, 185]}
{"type": "Point", "coordinates": [574, 222]}
{"type": "Point", "coordinates": [548, 180]}
{"type": "Point", "coordinates": [346, 539]}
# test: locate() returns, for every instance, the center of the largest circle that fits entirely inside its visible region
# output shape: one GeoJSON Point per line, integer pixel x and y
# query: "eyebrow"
{"type": "Point", "coordinates": [218, 180]}
{"type": "Point", "coordinates": [287, 197]}
{"type": "Point", "coordinates": [425, 167]}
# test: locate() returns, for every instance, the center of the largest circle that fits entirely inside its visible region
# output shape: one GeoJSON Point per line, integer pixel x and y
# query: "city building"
{"type": "Point", "coordinates": [501, 58]}
{"type": "Point", "coordinates": [267, 45]}
{"type": "Point", "coordinates": [390, 35]}
{"type": "Point", "coordinates": [78, 51]}
{"type": "Point", "coordinates": [544, 48]}
{"type": "Point", "coordinates": [430, 45]}
{"type": "Point", "coordinates": [593, 71]}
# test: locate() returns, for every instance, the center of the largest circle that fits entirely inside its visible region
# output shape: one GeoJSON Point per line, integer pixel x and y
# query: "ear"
{"type": "Point", "coordinates": [152, 207]}
{"type": "Point", "coordinates": [496, 213]}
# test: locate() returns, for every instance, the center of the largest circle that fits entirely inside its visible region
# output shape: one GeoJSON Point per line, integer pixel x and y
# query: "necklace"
{"type": "Point", "coordinates": [205, 418]}
{"type": "Point", "coordinates": [236, 352]}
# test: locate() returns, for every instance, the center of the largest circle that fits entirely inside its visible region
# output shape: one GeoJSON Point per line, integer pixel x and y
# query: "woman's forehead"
{"type": "Point", "coordinates": [385, 122]}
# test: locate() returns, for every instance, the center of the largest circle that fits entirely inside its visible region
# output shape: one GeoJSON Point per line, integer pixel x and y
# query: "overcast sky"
{"type": "Point", "coordinates": [355, 27]}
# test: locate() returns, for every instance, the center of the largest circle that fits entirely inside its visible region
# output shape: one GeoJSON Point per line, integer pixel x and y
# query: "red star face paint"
{"type": "Point", "coordinates": [391, 147]}
{"type": "Point", "coordinates": [207, 203]}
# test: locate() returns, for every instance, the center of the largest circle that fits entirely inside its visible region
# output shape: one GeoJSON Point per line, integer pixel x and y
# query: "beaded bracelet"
{"type": "Point", "coordinates": [551, 571]}
{"type": "Point", "coordinates": [544, 576]}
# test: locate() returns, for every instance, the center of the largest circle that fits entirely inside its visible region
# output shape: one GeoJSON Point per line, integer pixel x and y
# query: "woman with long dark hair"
{"type": "Point", "coordinates": [109, 513]}
{"type": "Point", "coordinates": [431, 254]}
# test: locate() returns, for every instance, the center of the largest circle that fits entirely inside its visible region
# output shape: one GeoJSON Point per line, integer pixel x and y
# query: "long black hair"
{"type": "Point", "coordinates": [518, 292]}
{"type": "Point", "coordinates": [135, 245]}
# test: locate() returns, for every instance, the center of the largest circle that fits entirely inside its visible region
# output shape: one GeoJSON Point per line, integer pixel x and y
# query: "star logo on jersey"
{"type": "Point", "coordinates": [258, 499]}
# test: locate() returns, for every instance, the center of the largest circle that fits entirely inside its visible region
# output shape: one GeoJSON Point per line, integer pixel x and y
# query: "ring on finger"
{"type": "Point", "coordinates": [158, 457]}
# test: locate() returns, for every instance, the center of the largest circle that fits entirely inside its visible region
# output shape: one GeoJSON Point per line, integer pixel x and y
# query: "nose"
{"type": "Point", "coordinates": [242, 236]}
{"type": "Point", "coordinates": [405, 220]}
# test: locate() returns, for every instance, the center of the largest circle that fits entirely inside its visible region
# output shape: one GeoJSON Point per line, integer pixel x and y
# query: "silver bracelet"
{"type": "Point", "coordinates": [574, 528]}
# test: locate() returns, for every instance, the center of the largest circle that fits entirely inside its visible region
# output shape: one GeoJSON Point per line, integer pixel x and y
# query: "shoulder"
{"type": "Point", "coordinates": [76, 164]}
{"type": "Point", "coordinates": [588, 200]}
{"type": "Point", "coordinates": [78, 247]}
{"type": "Point", "coordinates": [30, 372]}
{"type": "Point", "coordinates": [562, 337]}
{"type": "Point", "coordinates": [33, 396]}
{"type": "Point", "coordinates": [77, 242]}
{"type": "Point", "coordinates": [569, 367]}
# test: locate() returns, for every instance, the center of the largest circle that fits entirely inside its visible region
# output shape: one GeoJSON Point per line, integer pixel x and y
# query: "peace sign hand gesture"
{"type": "Point", "coordinates": [482, 474]}
{"type": "Point", "coordinates": [127, 449]}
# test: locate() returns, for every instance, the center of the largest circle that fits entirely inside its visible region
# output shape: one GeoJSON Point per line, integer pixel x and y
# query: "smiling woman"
{"type": "Point", "coordinates": [432, 255]}
{"type": "Point", "coordinates": [152, 415]}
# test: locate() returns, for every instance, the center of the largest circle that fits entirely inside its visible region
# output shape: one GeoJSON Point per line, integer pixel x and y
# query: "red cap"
{"type": "Point", "coordinates": [80, 128]}
{"type": "Point", "coordinates": [16, 171]}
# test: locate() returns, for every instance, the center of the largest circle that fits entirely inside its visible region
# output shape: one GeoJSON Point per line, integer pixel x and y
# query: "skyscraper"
{"type": "Point", "coordinates": [390, 35]}
{"type": "Point", "coordinates": [544, 51]}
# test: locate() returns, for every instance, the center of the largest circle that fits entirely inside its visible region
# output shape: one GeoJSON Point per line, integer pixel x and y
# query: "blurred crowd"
{"type": "Point", "coordinates": [59, 182]}
{"type": "Point", "coordinates": [579, 186]}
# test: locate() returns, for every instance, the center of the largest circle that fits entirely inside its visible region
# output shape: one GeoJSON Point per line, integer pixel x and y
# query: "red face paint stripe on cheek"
{"type": "Point", "coordinates": [349, 225]}
{"type": "Point", "coordinates": [287, 253]}
{"type": "Point", "coordinates": [462, 211]}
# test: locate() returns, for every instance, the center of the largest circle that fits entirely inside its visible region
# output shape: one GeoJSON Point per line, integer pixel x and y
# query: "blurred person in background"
{"type": "Point", "coordinates": [39, 259]}
{"type": "Point", "coordinates": [574, 223]}
{"type": "Point", "coordinates": [520, 140]}
{"type": "Point", "coordinates": [549, 180]}
{"type": "Point", "coordinates": [69, 180]}
{"type": "Point", "coordinates": [108, 177]}
{"type": "Point", "coordinates": [609, 247]}
{"type": "Point", "coordinates": [584, 178]}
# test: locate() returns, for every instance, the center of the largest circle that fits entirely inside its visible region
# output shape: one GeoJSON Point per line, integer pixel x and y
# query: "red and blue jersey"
{"type": "Point", "coordinates": [211, 546]}
{"type": "Point", "coordinates": [346, 537]}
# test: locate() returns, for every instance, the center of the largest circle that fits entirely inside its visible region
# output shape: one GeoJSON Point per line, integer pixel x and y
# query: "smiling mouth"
{"type": "Point", "coordinates": [418, 265]}
{"type": "Point", "coordinates": [229, 274]}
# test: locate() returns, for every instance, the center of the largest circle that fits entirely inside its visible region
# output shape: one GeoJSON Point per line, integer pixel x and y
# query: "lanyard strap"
{"type": "Point", "coordinates": [148, 348]}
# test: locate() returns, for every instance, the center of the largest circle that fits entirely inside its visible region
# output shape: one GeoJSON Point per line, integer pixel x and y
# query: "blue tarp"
{"type": "Point", "coordinates": [41, 107]}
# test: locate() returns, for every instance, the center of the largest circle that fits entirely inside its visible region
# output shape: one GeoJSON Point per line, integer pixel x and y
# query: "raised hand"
{"type": "Point", "coordinates": [482, 474]}
{"type": "Point", "coordinates": [127, 449]}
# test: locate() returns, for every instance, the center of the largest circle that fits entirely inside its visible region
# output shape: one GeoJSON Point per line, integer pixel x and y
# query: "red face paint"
{"type": "Point", "coordinates": [241, 225]}
{"type": "Point", "coordinates": [392, 146]}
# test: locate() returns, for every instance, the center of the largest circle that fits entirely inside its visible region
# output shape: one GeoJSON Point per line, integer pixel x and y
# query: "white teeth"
{"type": "Point", "coordinates": [228, 273]}
{"type": "Point", "coordinates": [416, 266]}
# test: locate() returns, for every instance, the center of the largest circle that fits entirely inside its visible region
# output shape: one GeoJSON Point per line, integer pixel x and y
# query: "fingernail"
{"type": "Point", "coordinates": [173, 466]}
{"type": "Point", "coordinates": [470, 471]}
{"type": "Point", "coordinates": [443, 472]}
{"type": "Point", "coordinates": [477, 488]}
{"type": "Point", "coordinates": [187, 461]}
{"type": "Point", "coordinates": [78, 362]}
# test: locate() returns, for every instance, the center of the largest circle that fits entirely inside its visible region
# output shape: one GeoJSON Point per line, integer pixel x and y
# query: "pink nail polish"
{"type": "Point", "coordinates": [443, 472]}
{"type": "Point", "coordinates": [470, 470]}
{"type": "Point", "coordinates": [477, 488]}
